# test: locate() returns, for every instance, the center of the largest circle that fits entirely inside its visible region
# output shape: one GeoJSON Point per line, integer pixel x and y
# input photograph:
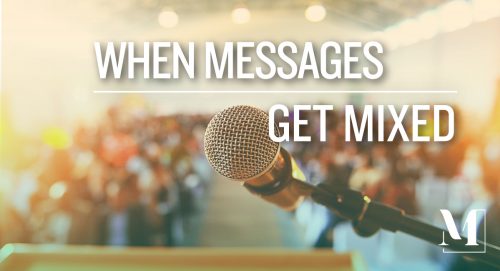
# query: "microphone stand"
{"type": "Point", "coordinates": [368, 217]}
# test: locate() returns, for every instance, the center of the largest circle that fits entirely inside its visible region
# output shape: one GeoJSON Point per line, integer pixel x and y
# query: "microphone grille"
{"type": "Point", "coordinates": [237, 142]}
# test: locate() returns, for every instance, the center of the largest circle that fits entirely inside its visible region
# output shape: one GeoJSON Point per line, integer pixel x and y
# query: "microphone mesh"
{"type": "Point", "coordinates": [237, 142]}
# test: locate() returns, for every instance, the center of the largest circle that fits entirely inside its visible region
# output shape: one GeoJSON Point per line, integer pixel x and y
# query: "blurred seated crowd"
{"type": "Point", "coordinates": [133, 179]}
{"type": "Point", "coordinates": [136, 179]}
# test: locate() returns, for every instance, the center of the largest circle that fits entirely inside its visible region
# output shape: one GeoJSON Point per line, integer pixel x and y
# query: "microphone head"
{"type": "Point", "coordinates": [237, 142]}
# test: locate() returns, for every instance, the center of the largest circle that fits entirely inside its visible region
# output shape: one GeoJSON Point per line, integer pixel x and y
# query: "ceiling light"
{"type": "Point", "coordinates": [315, 13]}
{"type": "Point", "coordinates": [240, 15]}
{"type": "Point", "coordinates": [168, 18]}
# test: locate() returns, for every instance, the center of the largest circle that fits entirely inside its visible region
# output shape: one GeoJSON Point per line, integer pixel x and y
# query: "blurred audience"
{"type": "Point", "coordinates": [136, 179]}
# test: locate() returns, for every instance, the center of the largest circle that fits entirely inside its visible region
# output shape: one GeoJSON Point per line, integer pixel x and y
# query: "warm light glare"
{"type": "Point", "coordinates": [57, 138]}
{"type": "Point", "coordinates": [427, 25]}
{"type": "Point", "coordinates": [455, 15]}
{"type": "Point", "coordinates": [406, 32]}
{"type": "Point", "coordinates": [315, 13]}
{"type": "Point", "coordinates": [168, 18]}
{"type": "Point", "coordinates": [240, 15]}
{"type": "Point", "coordinates": [451, 16]}
{"type": "Point", "coordinates": [390, 38]}
{"type": "Point", "coordinates": [483, 10]}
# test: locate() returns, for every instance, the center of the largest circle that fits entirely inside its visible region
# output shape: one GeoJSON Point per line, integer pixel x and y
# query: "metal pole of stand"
{"type": "Point", "coordinates": [368, 217]}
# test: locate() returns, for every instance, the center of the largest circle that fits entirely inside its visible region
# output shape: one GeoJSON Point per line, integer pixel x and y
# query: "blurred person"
{"type": "Point", "coordinates": [117, 148]}
{"type": "Point", "coordinates": [338, 166]}
{"type": "Point", "coordinates": [65, 217]}
{"type": "Point", "coordinates": [83, 228]}
{"type": "Point", "coordinates": [200, 164]}
{"type": "Point", "coordinates": [365, 174]}
{"type": "Point", "coordinates": [125, 222]}
{"type": "Point", "coordinates": [396, 188]}
{"type": "Point", "coordinates": [190, 191]}
{"type": "Point", "coordinates": [18, 207]}
{"type": "Point", "coordinates": [342, 165]}
{"type": "Point", "coordinates": [167, 201]}
{"type": "Point", "coordinates": [380, 156]}
{"type": "Point", "coordinates": [17, 228]}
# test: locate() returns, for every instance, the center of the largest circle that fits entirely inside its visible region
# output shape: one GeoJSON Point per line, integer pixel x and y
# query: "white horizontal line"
{"type": "Point", "coordinates": [276, 91]}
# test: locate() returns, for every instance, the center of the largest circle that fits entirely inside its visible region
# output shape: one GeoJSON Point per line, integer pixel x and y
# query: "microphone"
{"type": "Point", "coordinates": [237, 145]}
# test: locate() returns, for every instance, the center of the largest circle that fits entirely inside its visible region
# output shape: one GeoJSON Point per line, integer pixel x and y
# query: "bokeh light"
{"type": "Point", "coordinates": [315, 13]}
{"type": "Point", "coordinates": [240, 15]}
{"type": "Point", "coordinates": [57, 190]}
{"type": "Point", "coordinates": [56, 138]}
{"type": "Point", "coordinates": [168, 18]}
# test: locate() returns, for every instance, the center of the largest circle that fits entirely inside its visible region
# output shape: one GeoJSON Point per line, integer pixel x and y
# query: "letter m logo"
{"type": "Point", "coordinates": [471, 223]}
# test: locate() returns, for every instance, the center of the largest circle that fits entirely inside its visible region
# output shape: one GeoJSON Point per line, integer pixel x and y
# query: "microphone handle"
{"type": "Point", "coordinates": [368, 217]}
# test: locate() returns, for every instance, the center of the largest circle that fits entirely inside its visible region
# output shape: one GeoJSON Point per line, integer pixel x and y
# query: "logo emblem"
{"type": "Point", "coordinates": [471, 223]}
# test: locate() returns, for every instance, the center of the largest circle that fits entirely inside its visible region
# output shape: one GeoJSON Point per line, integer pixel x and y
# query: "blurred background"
{"type": "Point", "coordinates": [129, 170]}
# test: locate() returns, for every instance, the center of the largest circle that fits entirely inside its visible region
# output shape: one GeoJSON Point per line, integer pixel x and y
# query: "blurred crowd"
{"type": "Point", "coordinates": [133, 179]}
{"type": "Point", "coordinates": [137, 179]}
